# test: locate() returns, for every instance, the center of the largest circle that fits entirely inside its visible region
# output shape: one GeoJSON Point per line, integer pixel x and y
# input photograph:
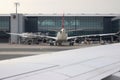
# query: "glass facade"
{"type": "Point", "coordinates": [31, 24]}
{"type": "Point", "coordinates": [89, 25]}
{"type": "Point", "coordinates": [115, 25]}
{"type": "Point", "coordinates": [83, 25]}
{"type": "Point", "coordinates": [86, 25]}
{"type": "Point", "coordinates": [4, 23]}
{"type": "Point", "coordinates": [119, 25]}
{"type": "Point", "coordinates": [4, 26]}
{"type": "Point", "coordinates": [48, 23]}
{"type": "Point", "coordinates": [108, 25]}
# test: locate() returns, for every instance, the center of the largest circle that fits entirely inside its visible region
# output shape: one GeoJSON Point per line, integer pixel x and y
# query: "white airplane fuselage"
{"type": "Point", "coordinates": [62, 35]}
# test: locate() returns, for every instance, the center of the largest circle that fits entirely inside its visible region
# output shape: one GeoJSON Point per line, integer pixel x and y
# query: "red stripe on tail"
{"type": "Point", "coordinates": [63, 21]}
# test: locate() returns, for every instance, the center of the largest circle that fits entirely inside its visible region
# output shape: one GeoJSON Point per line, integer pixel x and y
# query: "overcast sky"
{"type": "Point", "coordinates": [60, 6]}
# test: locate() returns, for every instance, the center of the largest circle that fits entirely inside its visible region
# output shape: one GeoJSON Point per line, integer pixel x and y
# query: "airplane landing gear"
{"type": "Point", "coordinates": [30, 42]}
{"type": "Point", "coordinates": [51, 43]}
{"type": "Point", "coordinates": [60, 44]}
{"type": "Point", "coordinates": [71, 43]}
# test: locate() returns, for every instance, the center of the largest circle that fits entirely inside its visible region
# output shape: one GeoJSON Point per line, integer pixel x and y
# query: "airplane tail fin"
{"type": "Point", "coordinates": [63, 21]}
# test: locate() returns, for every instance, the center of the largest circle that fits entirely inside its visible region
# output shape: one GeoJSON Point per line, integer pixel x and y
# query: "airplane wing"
{"type": "Point", "coordinates": [14, 34]}
{"type": "Point", "coordinates": [92, 35]}
{"type": "Point", "coordinates": [50, 37]}
{"type": "Point", "coordinates": [92, 63]}
{"type": "Point", "coordinates": [17, 34]}
{"type": "Point", "coordinates": [26, 35]}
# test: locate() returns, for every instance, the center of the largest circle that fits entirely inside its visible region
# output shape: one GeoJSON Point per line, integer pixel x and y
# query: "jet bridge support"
{"type": "Point", "coordinates": [17, 26]}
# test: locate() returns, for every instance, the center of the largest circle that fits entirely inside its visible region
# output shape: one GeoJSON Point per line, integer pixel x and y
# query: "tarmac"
{"type": "Point", "coordinates": [9, 51]}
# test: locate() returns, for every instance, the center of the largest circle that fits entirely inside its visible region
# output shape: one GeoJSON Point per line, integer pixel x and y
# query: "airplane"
{"type": "Point", "coordinates": [90, 63]}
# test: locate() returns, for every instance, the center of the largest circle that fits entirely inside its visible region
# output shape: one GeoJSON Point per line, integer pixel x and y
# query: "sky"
{"type": "Point", "coordinates": [60, 6]}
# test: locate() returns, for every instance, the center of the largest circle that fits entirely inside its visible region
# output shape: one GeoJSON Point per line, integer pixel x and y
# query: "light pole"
{"type": "Point", "coordinates": [16, 5]}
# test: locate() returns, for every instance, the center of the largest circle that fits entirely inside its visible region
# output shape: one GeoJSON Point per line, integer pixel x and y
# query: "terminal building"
{"type": "Point", "coordinates": [88, 23]}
